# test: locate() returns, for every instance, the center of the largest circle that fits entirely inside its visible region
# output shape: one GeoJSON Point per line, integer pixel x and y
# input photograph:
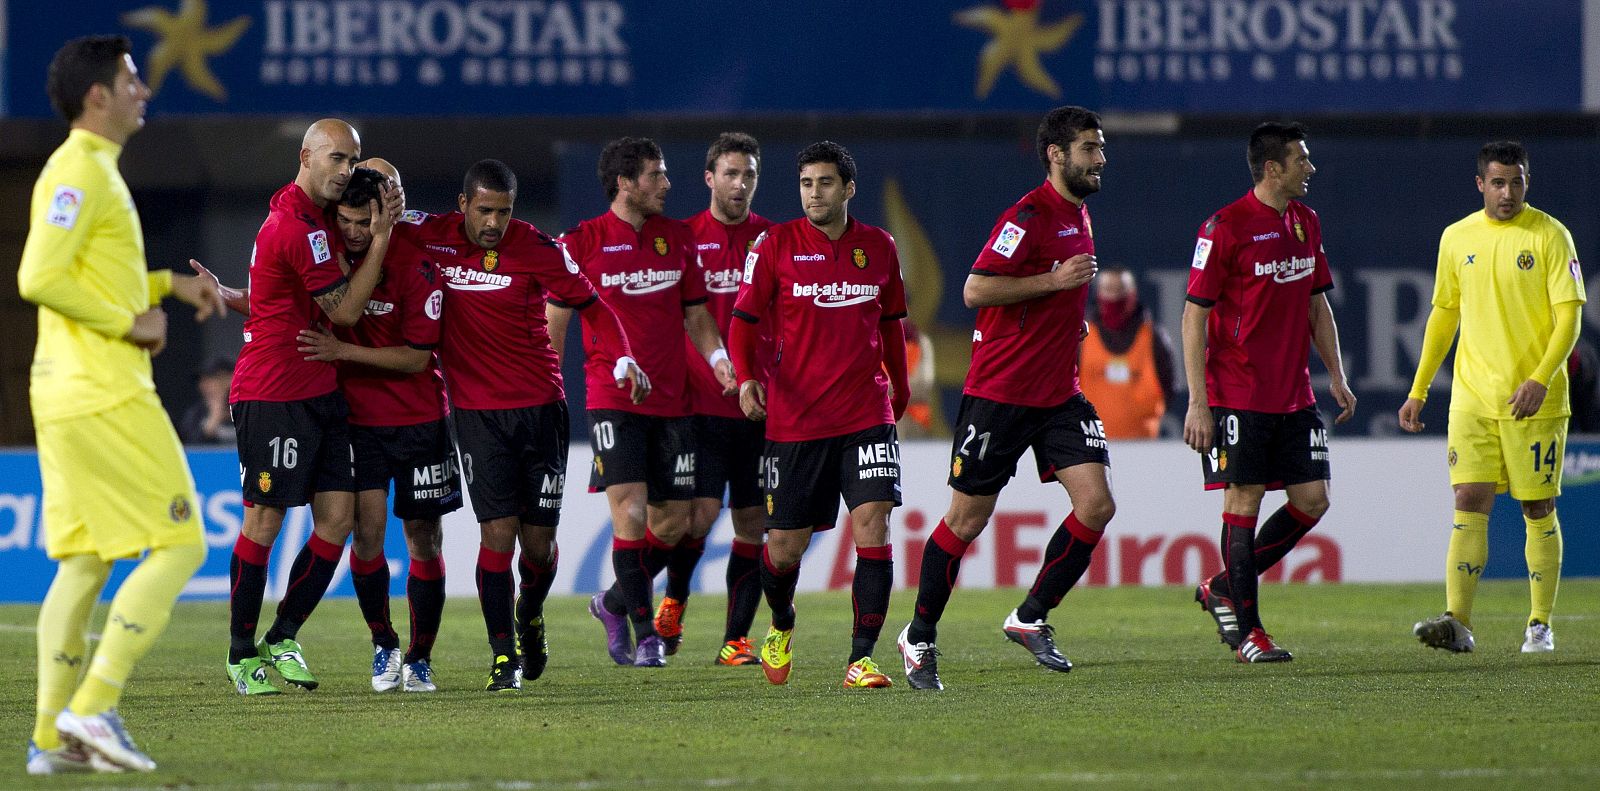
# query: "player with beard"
{"type": "Point", "coordinates": [1028, 285]}
{"type": "Point", "coordinates": [729, 452]}
{"type": "Point", "coordinates": [1257, 300]}
{"type": "Point", "coordinates": [644, 453]}
{"type": "Point", "coordinates": [293, 434]}
{"type": "Point", "coordinates": [510, 411]}
{"type": "Point", "coordinates": [831, 290]}
{"type": "Point", "coordinates": [397, 427]}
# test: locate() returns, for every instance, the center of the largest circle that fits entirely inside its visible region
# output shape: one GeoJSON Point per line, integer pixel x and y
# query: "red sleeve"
{"type": "Point", "coordinates": [692, 287]}
{"type": "Point", "coordinates": [1208, 268]}
{"type": "Point", "coordinates": [559, 274]}
{"type": "Point", "coordinates": [1010, 243]}
{"type": "Point", "coordinates": [311, 256]}
{"type": "Point", "coordinates": [424, 300]}
{"type": "Point", "coordinates": [892, 334]}
{"type": "Point", "coordinates": [893, 298]}
{"type": "Point", "coordinates": [1322, 277]}
{"type": "Point", "coordinates": [754, 302]}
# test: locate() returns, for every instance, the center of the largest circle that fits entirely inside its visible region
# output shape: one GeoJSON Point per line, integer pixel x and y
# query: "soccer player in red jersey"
{"type": "Point", "coordinates": [729, 445]}
{"type": "Point", "coordinates": [1258, 287]}
{"type": "Point", "coordinates": [644, 453]}
{"type": "Point", "coordinates": [510, 411]}
{"type": "Point", "coordinates": [294, 441]}
{"type": "Point", "coordinates": [1029, 286]}
{"type": "Point", "coordinates": [830, 288]}
{"type": "Point", "coordinates": [397, 427]}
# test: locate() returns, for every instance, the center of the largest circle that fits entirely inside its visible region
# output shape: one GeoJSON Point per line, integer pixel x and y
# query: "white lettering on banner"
{"type": "Point", "coordinates": [22, 509]}
{"type": "Point", "coordinates": [496, 42]}
{"type": "Point", "coordinates": [1179, 41]}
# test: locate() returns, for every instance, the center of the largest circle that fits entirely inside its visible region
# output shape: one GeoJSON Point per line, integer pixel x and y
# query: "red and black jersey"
{"type": "Point", "coordinates": [295, 260]}
{"type": "Point", "coordinates": [404, 310]}
{"type": "Point", "coordinates": [648, 277]}
{"type": "Point", "coordinates": [1257, 270]}
{"type": "Point", "coordinates": [495, 346]}
{"type": "Point", "coordinates": [722, 250]}
{"type": "Point", "coordinates": [1026, 353]}
{"type": "Point", "coordinates": [824, 300]}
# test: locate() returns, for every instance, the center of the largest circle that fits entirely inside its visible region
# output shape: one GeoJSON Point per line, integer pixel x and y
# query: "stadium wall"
{"type": "Point", "coordinates": [1388, 524]}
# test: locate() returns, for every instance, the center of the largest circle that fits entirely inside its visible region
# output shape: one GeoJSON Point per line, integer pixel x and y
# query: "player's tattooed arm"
{"type": "Point", "coordinates": [345, 303]}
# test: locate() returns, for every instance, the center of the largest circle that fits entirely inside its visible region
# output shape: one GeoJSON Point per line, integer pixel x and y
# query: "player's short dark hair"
{"type": "Point", "coordinates": [489, 174]}
{"type": "Point", "coordinates": [829, 151]}
{"type": "Point", "coordinates": [1270, 143]}
{"type": "Point", "coordinates": [365, 185]}
{"type": "Point", "coordinates": [79, 65]}
{"type": "Point", "coordinates": [1505, 152]}
{"type": "Point", "coordinates": [624, 158]}
{"type": "Point", "coordinates": [1060, 127]}
{"type": "Point", "coordinates": [731, 143]}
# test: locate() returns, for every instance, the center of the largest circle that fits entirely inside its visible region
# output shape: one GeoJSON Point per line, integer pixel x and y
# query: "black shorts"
{"type": "Point", "coordinates": [515, 461]}
{"type": "Point", "coordinates": [420, 459]}
{"type": "Point", "coordinates": [633, 448]}
{"type": "Point", "coordinates": [728, 457]}
{"type": "Point", "coordinates": [290, 450]}
{"type": "Point", "coordinates": [804, 480]}
{"type": "Point", "coordinates": [1265, 448]}
{"type": "Point", "coordinates": [991, 436]}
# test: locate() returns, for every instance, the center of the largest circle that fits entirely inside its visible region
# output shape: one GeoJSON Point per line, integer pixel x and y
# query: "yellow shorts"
{"type": "Point", "coordinates": [1522, 455]}
{"type": "Point", "coordinates": [116, 483]}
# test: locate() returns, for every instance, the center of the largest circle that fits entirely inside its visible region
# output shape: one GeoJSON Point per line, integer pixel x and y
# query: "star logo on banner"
{"type": "Point", "coordinates": [184, 41]}
{"type": "Point", "coordinates": [1016, 40]}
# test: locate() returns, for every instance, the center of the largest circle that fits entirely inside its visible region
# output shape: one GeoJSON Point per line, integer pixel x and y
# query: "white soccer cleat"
{"type": "Point", "coordinates": [385, 668]}
{"type": "Point", "coordinates": [1539, 639]}
{"type": "Point", "coordinates": [417, 677]}
{"type": "Point", "coordinates": [105, 736]}
{"type": "Point", "coordinates": [58, 761]}
{"type": "Point", "coordinates": [1444, 631]}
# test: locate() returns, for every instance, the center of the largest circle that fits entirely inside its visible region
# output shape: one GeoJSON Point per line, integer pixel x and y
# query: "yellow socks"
{"type": "Point", "coordinates": [139, 613]}
{"type": "Point", "coordinates": [63, 627]}
{"type": "Point", "coordinates": [1543, 551]}
{"type": "Point", "coordinates": [1469, 552]}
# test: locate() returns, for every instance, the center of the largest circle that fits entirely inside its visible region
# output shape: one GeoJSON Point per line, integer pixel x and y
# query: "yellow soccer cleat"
{"type": "Point", "coordinates": [864, 674]}
{"type": "Point", "coordinates": [737, 652]}
{"type": "Point", "coordinates": [776, 655]}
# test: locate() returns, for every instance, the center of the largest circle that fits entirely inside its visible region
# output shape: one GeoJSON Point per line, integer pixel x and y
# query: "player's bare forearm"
{"type": "Point", "coordinates": [202, 292]}
{"type": "Point", "coordinates": [1325, 336]}
{"type": "Point", "coordinates": [986, 291]}
{"type": "Point", "coordinates": [1197, 428]}
{"type": "Point", "coordinates": [558, 318]}
{"type": "Point", "coordinates": [324, 347]}
{"type": "Point", "coordinates": [702, 329]}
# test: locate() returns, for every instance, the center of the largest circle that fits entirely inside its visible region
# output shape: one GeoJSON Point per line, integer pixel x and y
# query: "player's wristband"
{"type": "Point", "coordinates": [621, 368]}
{"type": "Point", "coordinates": [717, 355]}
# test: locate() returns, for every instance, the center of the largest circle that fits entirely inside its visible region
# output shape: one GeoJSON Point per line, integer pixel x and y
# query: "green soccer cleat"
{"type": "Point", "coordinates": [286, 658]}
{"type": "Point", "coordinates": [249, 677]}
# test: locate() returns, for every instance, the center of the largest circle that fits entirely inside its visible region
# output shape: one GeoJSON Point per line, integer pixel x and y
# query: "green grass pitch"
{"type": "Point", "coordinates": [1155, 701]}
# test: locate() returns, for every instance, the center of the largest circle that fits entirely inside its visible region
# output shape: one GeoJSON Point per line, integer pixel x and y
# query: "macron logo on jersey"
{"type": "Point", "coordinates": [644, 281]}
{"type": "Point", "coordinates": [704, 246]}
{"type": "Point", "coordinates": [810, 257]}
{"type": "Point", "coordinates": [723, 281]}
{"type": "Point", "coordinates": [1287, 270]}
{"type": "Point", "coordinates": [836, 295]}
{"type": "Point", "coordinates": [461, 278]}
{"type": "Point", "coordinates": [617, 248]}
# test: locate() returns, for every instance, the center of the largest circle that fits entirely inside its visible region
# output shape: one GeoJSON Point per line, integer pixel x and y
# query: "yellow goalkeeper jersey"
{"type": "Point", "coordinates": [1505, 278]}
{"type": "Point", "coordinates": [83, 265]}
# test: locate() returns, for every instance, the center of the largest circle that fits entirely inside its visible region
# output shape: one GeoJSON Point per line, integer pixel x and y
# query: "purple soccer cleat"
{"type": "Point", "coordinates": [652, 652]}
{"type": "Point", "coordinates": [618, 642]}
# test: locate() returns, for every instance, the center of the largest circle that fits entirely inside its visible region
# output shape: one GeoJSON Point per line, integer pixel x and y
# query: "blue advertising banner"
{"type": "Point", "coordinates": [27, 572]}
{"type": "Point", "coordinates": [626, 57]}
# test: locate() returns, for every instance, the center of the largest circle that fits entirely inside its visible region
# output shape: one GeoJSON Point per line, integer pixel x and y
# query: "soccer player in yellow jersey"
{"type": "Point", "coordinates": [116, 485]}
{"type": "Point", "coordinates": [1509, 278]}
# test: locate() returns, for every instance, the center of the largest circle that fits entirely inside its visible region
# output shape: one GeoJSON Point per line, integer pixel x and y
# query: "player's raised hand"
{"type": "Point", "coordinates": [726, 378]}
{"type": "Point", "coordinates": [629, 374]}
{"type": "Point", "coordinates": [1527, 400]}
{"type": "Point", "coordinates": [202, 291]}
{"type": "Point", "coordinates": [320, 345]}
{"type": "Point", "coordinates": [1410, 414]}
{"type": "Point", "coordinates": [235, 299]}
{"type": "Point", "coordinates": [1346, 400]}
{"type": "Point", "coordinates": [1198, 426]}
{"type": "Point", "coordinates": [1075, 271]}
{"type": "Point", "coordinates": [753, 399]}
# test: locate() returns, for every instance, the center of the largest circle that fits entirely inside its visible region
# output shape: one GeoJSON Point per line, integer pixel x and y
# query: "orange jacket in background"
{"type": "Point", "coordinates": [1125, 388]}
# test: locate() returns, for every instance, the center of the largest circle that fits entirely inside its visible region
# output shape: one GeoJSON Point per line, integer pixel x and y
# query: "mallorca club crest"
{"type": "Point", "coordinates": [1222, 460]}
{"type": "Point", "coordinates": [858, 257]}
{"type": "Point", "coordinates": [264, 482]}
{"type": "Point", "coordinates": [1525, 260]}
{"type": "Point", "coordinates": [491, 259]}
{"type": "Point", "coordinates": [661, 245]}
{"type": "Point", "coordinates": [955, 468]}
{"type": "Point", "coordinates": [1299, 231]}
{"type": "Point", "coordinates": [769, 505]}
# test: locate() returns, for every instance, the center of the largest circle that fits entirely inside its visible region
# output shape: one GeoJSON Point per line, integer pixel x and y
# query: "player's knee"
{"type": "Point", "coordinates": [750, 525]}
{"type": "Point", "coordinates": [1474, 499]}
{"type": "Point", "coordinates": [181, 559]}
{"type": "Point", "coordinates": [1314, 507]}
{"type": "Point", "coordinates": [1538, 509]}
{"type": "Point", "coordinates": [1095, 514]}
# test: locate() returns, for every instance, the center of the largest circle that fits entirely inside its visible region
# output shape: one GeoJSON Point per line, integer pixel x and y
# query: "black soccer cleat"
{"type": "Point", "coordinates": [505, 675]}
{"type": "Point", "coordinates": [535, 649]}
{"type": "Point", "coordinates": [1258, 647]}
{"type": "Point", "coordinates": [1221, 609]}
{"type": "Point", "coordinates": [1040, 640]}
{"type": "Point", "coordinates": [921, 662]}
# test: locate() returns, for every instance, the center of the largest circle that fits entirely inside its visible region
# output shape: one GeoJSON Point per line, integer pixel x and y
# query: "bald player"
{"type": "Point", "coordinates": [292, 421]}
